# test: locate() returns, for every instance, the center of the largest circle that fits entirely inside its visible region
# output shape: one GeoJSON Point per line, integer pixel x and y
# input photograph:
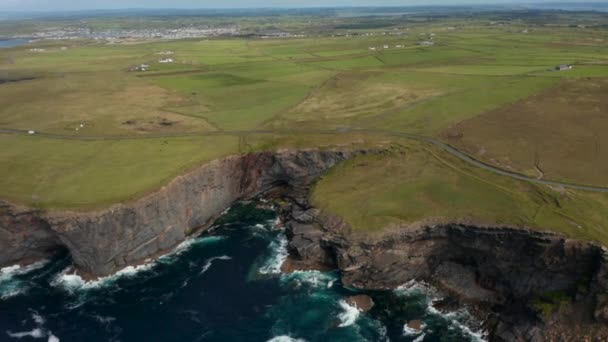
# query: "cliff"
{"type": "Point", "coordinates": [105, 241]}
{"type": "Point", "coordinates": [525, 285]}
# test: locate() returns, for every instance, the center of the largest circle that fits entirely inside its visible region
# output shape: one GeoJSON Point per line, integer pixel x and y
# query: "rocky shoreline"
{"type": "Point", "coordinates": [525, 285]}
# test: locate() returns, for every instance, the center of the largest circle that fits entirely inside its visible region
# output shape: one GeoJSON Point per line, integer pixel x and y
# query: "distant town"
{"type": "Point", "coordinates": [175, 33]}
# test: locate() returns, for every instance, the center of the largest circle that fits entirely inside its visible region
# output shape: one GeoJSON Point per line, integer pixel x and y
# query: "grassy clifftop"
{"type": "Point", "coordinates": [417, 184]}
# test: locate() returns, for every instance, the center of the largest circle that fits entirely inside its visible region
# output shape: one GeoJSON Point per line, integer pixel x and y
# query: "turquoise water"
{"type": "Point", "coordinates": [12, 43]}
{"type": "Point", "coordinates": [224, 286]}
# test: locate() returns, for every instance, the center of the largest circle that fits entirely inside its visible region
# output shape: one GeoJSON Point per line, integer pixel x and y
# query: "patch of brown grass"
{"type": "Point", "coordinates": [559, 134]}
{"type": "Point", "coordinates": [356, 95]}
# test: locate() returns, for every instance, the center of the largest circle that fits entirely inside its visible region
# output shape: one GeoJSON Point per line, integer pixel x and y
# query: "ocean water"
{"type": "Point", "coordinates": [12, 43]}
{"type": "Point", "coordinates": [223, 286]}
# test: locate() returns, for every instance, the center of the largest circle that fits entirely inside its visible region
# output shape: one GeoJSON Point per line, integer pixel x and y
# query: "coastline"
{"type": "Point", "coordinates": [477, 265]}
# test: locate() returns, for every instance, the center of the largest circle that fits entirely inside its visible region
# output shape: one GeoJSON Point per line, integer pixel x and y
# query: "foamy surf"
{"type": "Point", "coordinates": [72, 282]}
{"type": "Point", "coordinates": [285, 338]}
{"type": "Point", "coordinates": [315, 279]}
{"type": "Point", "coordinates": [209, 262]}
{"type": "Point", "coordinates": [39, 332]}
{"type": "Point", "coordinates": [461, 320]}
{"type": "Point", "coordinates": [10, 285]}
{"type": "Point", "coordinates": [407, 331]}
{"type": "Point", "coordinates": [278, 255]}
{"type": "Point", "coordinates": [413, 288]}
{"type": "Point", "coordinates": [420, 338]}
{"type": "Point", "coordinates": [349, 315]}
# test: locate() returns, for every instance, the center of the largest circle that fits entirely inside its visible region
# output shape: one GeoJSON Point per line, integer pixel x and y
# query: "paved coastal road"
{"type": "Point", "coordinates": [443, 146]}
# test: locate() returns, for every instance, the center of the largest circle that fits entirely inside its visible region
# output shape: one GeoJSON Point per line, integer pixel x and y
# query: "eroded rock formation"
{"type": "Point", "coordinates": [105, 241]}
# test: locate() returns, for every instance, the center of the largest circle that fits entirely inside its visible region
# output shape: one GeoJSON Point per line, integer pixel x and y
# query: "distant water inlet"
{"type": "Point", "coordinates": [224, 286]}
{"type": "Point", "coordinates": [9, 43]}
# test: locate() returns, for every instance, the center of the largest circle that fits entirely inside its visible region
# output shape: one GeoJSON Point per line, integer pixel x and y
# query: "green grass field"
{"type": "Point", "coordinates": [418, 184]}
{"type": "Point", "coordinates": [120, 133]}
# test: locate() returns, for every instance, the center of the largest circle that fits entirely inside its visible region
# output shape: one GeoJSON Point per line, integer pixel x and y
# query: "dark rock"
{"type": "Point", "coordinates": [307, 216]}
{"type": "Point", "coordinates": [601, 309]}
{"type": "Point", "coordinates": [416, 325]}
{"type": "Point", "coordinates": [362, 302]}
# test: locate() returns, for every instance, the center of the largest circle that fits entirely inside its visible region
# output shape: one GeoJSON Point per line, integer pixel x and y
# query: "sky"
{"type": "Point", "coordinates": [63, 5]}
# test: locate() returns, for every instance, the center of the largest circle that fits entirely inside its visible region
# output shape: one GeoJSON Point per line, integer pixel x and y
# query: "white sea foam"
{"type": "Point", "coordinates": [420, 338]}
{"type": "Point", "coordinates": [456, 319]}
{"type": "Point", "coordinates": [459, 319]}
{"type": "Point", "coordinates": [186, 245]}
{"type": "Point", "coordinates": [285, 338]}
{"type": "Point", "coordinates": [9, 285]}
{"type": "Point", "coordinates": [210, 262]}
{"type": "Point", "coordinates": [407, 331]}
{"type": "Point", "coordinates": [73, 282]}
{"type": "Point", "coordinates": [312, 278]}
{"type": "Point", "coordinates": [414, 287]}
{"type": "Point", "coordinates": [35, 333]}
{"type": "Point", "coordinates": [38, 319]}
{"type": "Point", "coordinates": [278, 255]}
{"type": "Point", "coordinates": [39, 332]}
{"type": "Point", "coordinates": [349, 315]}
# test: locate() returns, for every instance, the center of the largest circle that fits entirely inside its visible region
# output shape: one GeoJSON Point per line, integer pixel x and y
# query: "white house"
{"type": "Point", "coordinates": [563, 67]}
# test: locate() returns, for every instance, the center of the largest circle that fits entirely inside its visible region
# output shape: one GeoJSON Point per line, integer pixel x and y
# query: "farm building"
{"type": "Point", "coordinates": [563, 67]}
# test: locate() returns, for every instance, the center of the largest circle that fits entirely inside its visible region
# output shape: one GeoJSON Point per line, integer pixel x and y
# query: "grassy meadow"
{"type": "Point", "coordinates": [484, 86]}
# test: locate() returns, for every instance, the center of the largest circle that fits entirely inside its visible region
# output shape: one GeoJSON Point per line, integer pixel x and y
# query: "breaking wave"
{"type": "Point", "coordinates": [72, 282]}
{"type": "Point", "coordinates": [10, 283]}
{"type": "Point", "coordinates": [349, 315]}
{"type": "Point", "coordinates": [459, 319]}
{"type": "Point", "coordinates": [278, 255]}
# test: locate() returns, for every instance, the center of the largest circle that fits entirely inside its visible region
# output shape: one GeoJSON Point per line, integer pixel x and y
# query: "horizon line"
{"type": "Point", "coordinates": [464, 4]}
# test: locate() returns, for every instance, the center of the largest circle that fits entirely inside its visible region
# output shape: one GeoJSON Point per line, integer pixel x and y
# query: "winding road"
{"type": "Point", "coordinates": [441, 145]}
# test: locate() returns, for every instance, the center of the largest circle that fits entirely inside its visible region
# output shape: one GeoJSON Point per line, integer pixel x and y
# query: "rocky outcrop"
{"type": "Point", "coordinates": [362, 302]}
{"type": "Point", "coordinates": [105, 241]}
{"type": "Point", "coordinates": [526, 285]}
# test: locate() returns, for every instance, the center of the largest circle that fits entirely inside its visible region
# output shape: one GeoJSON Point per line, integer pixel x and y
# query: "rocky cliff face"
{"type": "Point", "coordinates": [105, 241]}
{"type": "Point", "coordinates": [526, 285]}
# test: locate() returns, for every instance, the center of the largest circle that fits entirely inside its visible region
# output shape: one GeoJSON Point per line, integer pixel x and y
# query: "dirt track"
{"type": "Point", "coordinates": [445, 147]}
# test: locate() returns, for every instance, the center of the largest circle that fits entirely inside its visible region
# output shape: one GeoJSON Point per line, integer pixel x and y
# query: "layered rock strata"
{"type": "Point", "coordinates": [105, 241]}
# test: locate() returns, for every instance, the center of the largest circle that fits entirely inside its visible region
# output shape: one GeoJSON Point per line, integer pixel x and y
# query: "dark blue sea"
{"type": "Point", "coordinates": [222, 286]}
